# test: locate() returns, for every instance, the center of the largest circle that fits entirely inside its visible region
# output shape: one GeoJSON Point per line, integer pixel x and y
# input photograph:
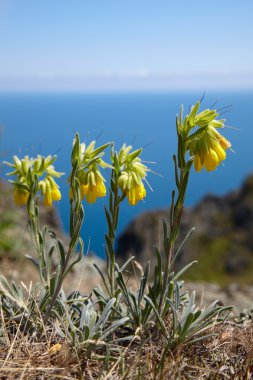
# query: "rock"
{"type": "Point", "coordinates": [222, 242]}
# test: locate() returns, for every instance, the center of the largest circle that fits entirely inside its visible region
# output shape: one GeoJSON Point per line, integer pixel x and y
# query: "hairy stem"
{"type": "Point", "coordinates": [175, 220]}
{"type": "Point", "coordinates": [114, 213]}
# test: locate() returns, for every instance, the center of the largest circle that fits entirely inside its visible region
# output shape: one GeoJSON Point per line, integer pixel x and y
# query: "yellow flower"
{"type": "Point", "coordinates": [198, 162]}
{"type": "Point", "coordinates": [56, 194]}
{"type": "Point", "coordinates": [20, 196]}
{"type": "Point", "coordinates": [92, 192]}
{"type": "Point", "coordinates": [47, 201]}
{"type": "Point", "coordinates": [209, 149]}
{"type": "Point", "coordinates": [211, 160]}
{"type": "Point", "coordinates": [136, 194]}
{"type": "Point", "coordinates": [95, 191]}
{"type": "Point", "coordinates": [132, 174]}
{"type": "Point", "coordinates": [132, 185]}
{"type": "Point", "coordinates": [83, 190]}
{"type": "Point", "coordinates": [28, 171]}
{"type": "Point", "coordinates": [89, 161]}
{"type": "Point", "coordinates": [50, 190]}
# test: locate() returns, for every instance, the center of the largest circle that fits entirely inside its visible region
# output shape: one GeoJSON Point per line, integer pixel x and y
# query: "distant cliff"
{"type": "Point", "coordinates": [222, 242]}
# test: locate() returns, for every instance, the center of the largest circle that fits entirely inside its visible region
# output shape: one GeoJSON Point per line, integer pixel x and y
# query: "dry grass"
{"type": "Point", "coordinates": [225, 356]}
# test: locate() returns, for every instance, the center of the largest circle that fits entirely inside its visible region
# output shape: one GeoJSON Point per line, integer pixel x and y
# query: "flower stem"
{"type": "Point", "coordinates": [175, 215]}
{"type": "Point", "coordinates": [33, 215]}
{"type": "Point", "coordinates": [112, 220]}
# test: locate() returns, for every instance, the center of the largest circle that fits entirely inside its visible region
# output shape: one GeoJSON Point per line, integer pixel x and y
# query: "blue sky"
{"type": "Point", "coordinates": [130, 44]}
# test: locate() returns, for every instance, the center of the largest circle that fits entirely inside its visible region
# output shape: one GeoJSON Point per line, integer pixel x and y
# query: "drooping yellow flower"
{"type": "Point", "coordinates": [136, 194]}
{"type": "Point", "coordinates": [91, 186]}
{"type": "Point", "coordinates": [91, 191]}
{"type": "Point", "coordinates": [50, 190]}
{"type": "Point", "coordinates": [198, 162]}
{"type": "Point", "coordinates": [27, 172]}
{"type": "Point", "coordinates": [132, 174]}
{"type": "Point", "coordinates": [95, 191]}
{"type": "Point", "coordinates": [47, 201]}
{"type": "Point", "coordinates": [132, 185]}
{"type": "Point", "coordinates": [209, 149]}
{"type": "Point", "coordinates": [56, 194]}
{"type": "Point", "coordinates": [83, 190]}
{"type": "Point", "coordinates": [20, 196]}
{"type": "Point", "coordinates": [89, 161]}
{"type": "Point", "coordinates": [211, 160]}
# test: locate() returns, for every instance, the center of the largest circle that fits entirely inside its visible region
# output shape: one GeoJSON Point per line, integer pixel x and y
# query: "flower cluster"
{"type": "Point", "coordinates": [209, 149]}
{"type": "Point", "coordinates": [92, 183]}
{"type": "Point", "coordinates": [130, 171]}
{"type": "Point", "coordinates": [132, 174]}
{"type": "Point", "coordinates": [33, 175]}
{"type": "Point", "coordinates": [207, 146]}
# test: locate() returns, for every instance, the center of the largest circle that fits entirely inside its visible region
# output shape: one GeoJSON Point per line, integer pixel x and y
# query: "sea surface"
{"type": "Point", "coordinates": [47, 123]}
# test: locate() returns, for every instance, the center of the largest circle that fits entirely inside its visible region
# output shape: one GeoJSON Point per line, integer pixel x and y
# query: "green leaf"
{"type": "Point", "coordinates": [99, 150]}
{"type": "Point", "coordinates": [183, 270]}
{"type": "Point", "coordinates": [143, 284]}
{"type": "Point", "coordinates": [114, 327]}
{"type": "Point", "coordinates": [186, 325]}
{"type": "Point", "coordinates": [160, 321]}
{"type": "Point", "coordinates": [61, 251]}
{"type": "Point", "coordinates": [193, 113]}
{"type": "Point", "coordinates": [79, 258]}
{"type": "Point", "coordinates": [172, 209]}
{"type": "Point", "coordinates": [34, 261]}
{"type": "Point", "coordinates": [133, 155]}
{"type": "Point", "coordinates": [182, 245]}
{"type": "Point", "coordinates": [109, 222]}
{"type": "Point", "coordinates": [105, 314]}
{"type": "Point", "coordinates": [109, 250]}
{"type": "Point", "coordinates": [165, 237]}
{"type": "Point", "coordinates": [102, 277]}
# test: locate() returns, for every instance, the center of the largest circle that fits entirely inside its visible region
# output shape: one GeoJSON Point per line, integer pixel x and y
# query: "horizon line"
{"type": "Point", "coordinates": [119, 83]}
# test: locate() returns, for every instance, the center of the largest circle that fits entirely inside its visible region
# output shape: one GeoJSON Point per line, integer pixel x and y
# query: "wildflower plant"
{"type": "Point", "coordinates": [207, 146]}
{"type": "Point", "coordinates": [89, 161]}
{"type": "Point", "coordinates": [82, 324]}
{"type": "Point", "coordinates": [164, 295]}
{"type": "Point", "coordinates": [29, 173]}
{"type": "Point", "coordinates": [127, 175]}
{"type": "Point", "coordinates": [85, 164]}
{"type": "Point", "coordinates": [163, 299]}
{"type": "Point", "coordinates": [159, 298]}
{"type": "Point", "coordinates": [34, 176]}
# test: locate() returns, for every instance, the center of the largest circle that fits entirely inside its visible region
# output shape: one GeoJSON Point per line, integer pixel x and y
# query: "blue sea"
{"type": "Point", "coordinates": [47, 123]}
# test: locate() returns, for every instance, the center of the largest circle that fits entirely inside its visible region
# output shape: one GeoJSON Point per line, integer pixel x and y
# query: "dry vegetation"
{"type": "Point", "coordinates": [227, 355]}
